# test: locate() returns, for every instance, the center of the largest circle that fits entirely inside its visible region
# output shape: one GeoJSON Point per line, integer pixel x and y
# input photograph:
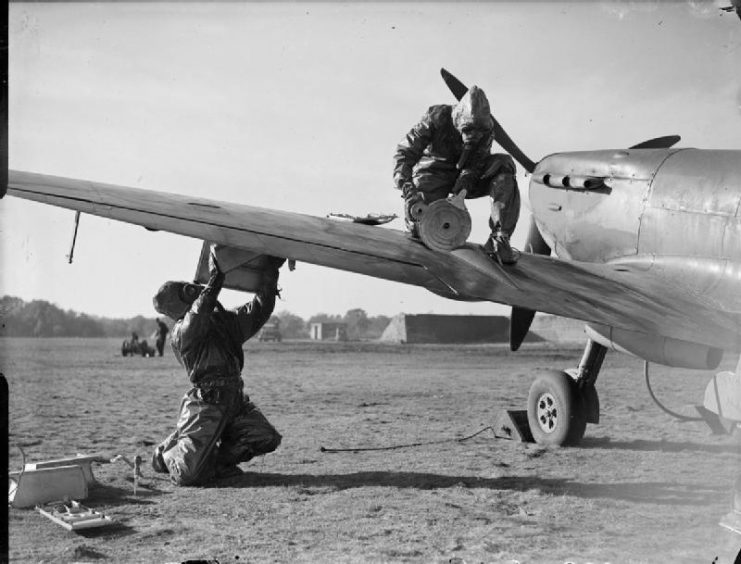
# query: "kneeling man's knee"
{"type": "Point", "coordinates": [271, 443]}
{"type": "Point", "coordinates": [181, 473]}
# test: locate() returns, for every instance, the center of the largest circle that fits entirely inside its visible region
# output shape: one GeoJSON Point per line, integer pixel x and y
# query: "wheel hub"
{"type": "Point", "coordinates": [547, 413]}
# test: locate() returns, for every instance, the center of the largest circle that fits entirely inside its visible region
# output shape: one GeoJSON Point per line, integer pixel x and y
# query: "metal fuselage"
{"type": "Point", "coordinates": [675, 212]}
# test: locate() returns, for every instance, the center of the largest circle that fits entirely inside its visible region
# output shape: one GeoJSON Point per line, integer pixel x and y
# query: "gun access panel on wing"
{"type": "Point", "coordinates": [244, 270]}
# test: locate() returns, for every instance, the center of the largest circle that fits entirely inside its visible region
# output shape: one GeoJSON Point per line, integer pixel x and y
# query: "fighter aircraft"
{"type": "Point", "coordinates": [646, 242]}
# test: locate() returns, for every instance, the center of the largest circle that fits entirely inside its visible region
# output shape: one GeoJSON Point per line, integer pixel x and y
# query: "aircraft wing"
{"type": "Point", "coordinates": [618, 295]}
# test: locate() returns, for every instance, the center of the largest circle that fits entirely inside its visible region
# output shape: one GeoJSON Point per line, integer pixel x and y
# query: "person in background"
{"type": "Point", "coordinates": [160, 336]}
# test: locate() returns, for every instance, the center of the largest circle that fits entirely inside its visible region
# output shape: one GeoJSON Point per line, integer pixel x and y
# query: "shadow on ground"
{"type": "Point", "coordinates": [664, 493]}
{"type": "Point", "coordinates": [112, 495]}
{"type": "Point", "coordinates": [730, 447]}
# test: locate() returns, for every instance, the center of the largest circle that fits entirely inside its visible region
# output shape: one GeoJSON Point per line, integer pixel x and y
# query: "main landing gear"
{"type": "Point", "coordinates": [561, 403]}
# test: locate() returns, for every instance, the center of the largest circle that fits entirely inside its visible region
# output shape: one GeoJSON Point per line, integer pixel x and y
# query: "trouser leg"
{"type": "Point", "coordinates": [433, 185]}
{"type": "Point", "coordinates": [505, 204]}
{"type": "Point", "coordinates": [409, 221]}
{"type": "Point", "coordinates": [188, 452]}
{"type": "Point", "coordinates": [502, 223]}
{"type": "Point", "coordinates": [158, 463]}
{"type": "Point", "coordinates": [247, 435]}
{"type": "Point", "coordinates": [500, 184]}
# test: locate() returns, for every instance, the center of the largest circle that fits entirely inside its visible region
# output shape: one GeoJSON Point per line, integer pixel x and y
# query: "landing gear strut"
{"type": "Point", "coordinates": [561, 403]}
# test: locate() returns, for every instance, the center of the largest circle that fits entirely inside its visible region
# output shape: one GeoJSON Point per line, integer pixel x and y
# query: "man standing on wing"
{"type": "Point", "coordinates": [218, 426]}
{"type": "Point", "coordinates": [449, 150]}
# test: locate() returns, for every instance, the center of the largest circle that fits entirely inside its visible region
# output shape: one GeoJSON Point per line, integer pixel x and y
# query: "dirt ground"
{"type": "Point", "coordinates": [642, 487]}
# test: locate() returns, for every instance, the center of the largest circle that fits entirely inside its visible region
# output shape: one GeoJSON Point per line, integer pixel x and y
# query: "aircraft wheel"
{"type": "Point", "coordinates": [555, 410]}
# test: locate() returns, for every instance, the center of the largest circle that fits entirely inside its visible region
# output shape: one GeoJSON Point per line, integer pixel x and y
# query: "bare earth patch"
{"type": "Point", "coordinates": [641, 488]}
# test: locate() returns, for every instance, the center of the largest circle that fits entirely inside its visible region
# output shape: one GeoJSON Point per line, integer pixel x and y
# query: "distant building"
{"type": "Point", "coordinates": [328, 331]}
{"type": "Point", "coordinates": [559, 330]}
{"type": "Point", "coordinates": [431, 328]}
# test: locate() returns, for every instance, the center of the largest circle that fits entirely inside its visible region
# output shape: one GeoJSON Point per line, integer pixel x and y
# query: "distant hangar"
{"type": "Point", "coordinates": [433, 328]}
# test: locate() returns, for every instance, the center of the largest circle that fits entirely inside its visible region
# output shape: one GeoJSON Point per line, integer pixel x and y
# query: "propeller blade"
{"type": "Point", "coordinates": [658, 143]}
{"type": "Point", "coordinates": [456, 86]}
{"type": "Point", "coordinates": [519, 324]}
{"type": "Point", "coordinates": [500, 135]}
{"type": "Point", "coordinates": [505, 141]}
{"type": "Point", "coordinates": [521, 318]}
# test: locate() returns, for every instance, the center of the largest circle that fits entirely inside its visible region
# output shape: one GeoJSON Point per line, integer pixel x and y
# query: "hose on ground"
{"type": "Point", "coordinates": [661, 406]}
{"type": "Point", "coordinates": [440, 441]}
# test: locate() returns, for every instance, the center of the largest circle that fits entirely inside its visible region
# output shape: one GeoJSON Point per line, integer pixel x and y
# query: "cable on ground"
{"type": "Point", "coordinates": [359, 449]}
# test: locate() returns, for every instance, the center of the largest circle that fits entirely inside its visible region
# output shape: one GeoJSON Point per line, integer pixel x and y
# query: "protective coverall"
{"type": "Point", "coordinates": [449, 149]}
{"type": "Point", "coordinates": [218, 426]}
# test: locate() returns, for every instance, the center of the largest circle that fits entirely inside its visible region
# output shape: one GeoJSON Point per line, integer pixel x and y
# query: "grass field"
{"type": "Point", "coordinates": [642, 487]}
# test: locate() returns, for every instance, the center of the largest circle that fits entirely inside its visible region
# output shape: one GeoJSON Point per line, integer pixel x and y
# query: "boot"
{"type": "Point", "coordinates": [158, 463]}
{"type": "Point", "coordinates": [412, 230]}
{"type": "Point", "coordinates": [498, 248]}
{"type": "Point", "coordinates": [224, 471]}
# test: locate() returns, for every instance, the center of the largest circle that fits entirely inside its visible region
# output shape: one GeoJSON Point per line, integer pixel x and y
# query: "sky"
{"type": "Point", "coordinates": [299, 107]}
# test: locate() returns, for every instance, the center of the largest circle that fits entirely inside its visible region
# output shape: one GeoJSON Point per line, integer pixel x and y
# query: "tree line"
{"type": "Point", "coordinates": [360, 326]}
{"type": "Point", "coordinates": [39, 318]}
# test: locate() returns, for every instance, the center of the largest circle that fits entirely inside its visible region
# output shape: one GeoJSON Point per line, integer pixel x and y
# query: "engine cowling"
{"type": "Point", "coordinates": [654, 348]}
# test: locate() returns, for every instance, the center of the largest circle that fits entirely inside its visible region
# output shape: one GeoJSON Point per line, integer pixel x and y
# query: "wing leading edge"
{"type": "Point", "coordinates": [600, 293]}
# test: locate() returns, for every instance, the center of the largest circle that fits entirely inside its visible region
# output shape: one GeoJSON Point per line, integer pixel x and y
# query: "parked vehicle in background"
{"type": "Point", "coordinates": [270, 332]}
{"type": "Point", "coordinates": [132, 347]}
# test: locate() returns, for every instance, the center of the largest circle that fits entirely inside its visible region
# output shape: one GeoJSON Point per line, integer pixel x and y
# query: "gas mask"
{"type": "Point", "coordinates": [174, 299]}
{"type": "Point", "coordinates": [472, 118]}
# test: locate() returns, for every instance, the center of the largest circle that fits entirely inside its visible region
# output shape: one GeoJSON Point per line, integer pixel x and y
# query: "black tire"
{"type": "Point", "coordinates": [555, 410]}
